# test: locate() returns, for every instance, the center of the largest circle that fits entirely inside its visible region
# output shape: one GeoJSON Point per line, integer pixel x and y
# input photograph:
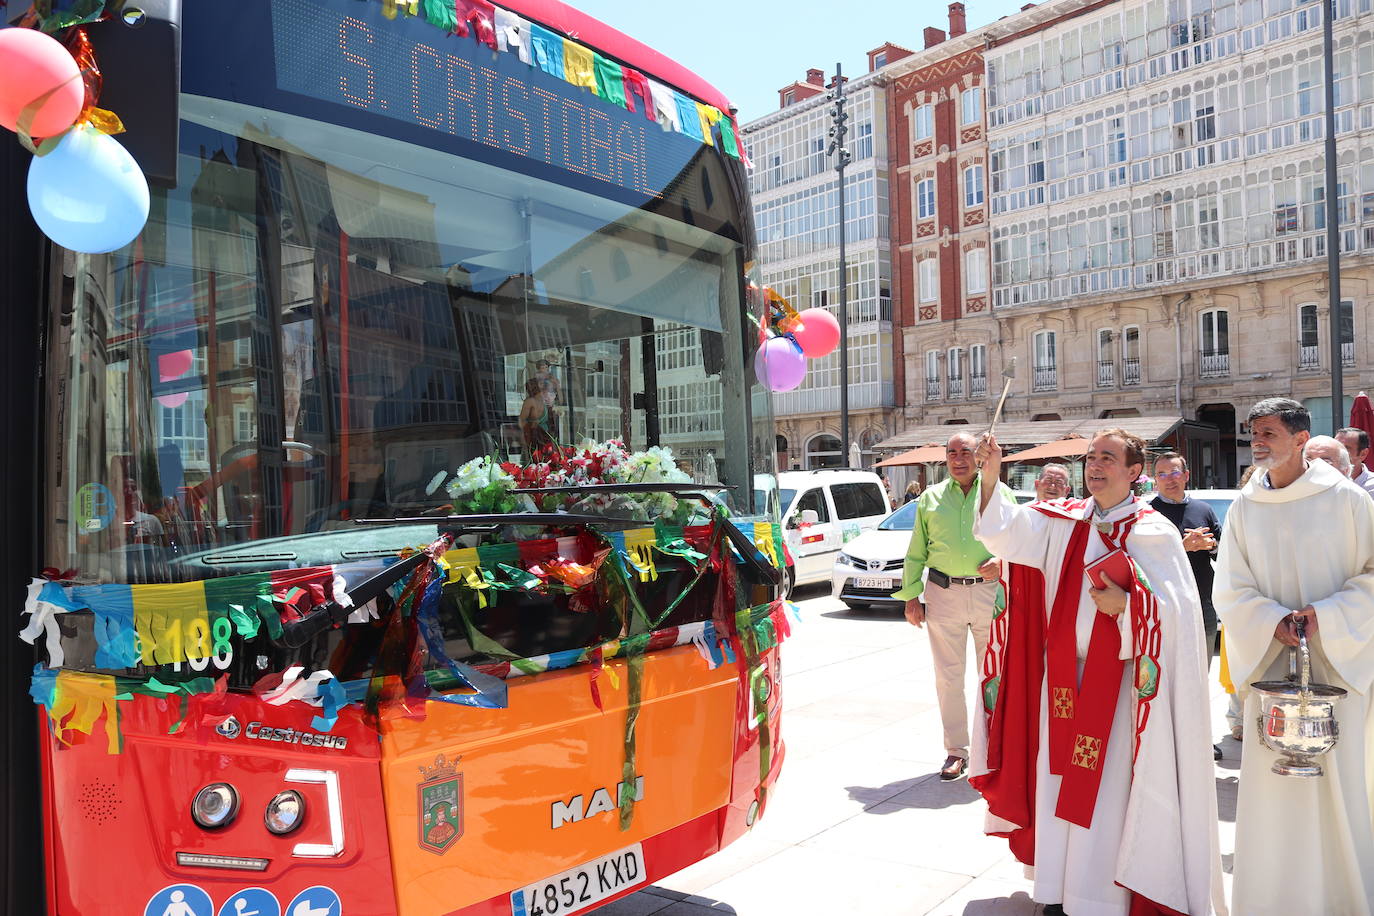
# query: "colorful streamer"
{"type": "Point", "coordinates": [561, 56]}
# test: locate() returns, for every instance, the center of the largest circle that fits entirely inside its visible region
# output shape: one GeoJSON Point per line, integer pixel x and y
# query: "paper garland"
{"type": "Point", "coordinates": [132, 622]}
{"type": "Point", "coordinates": [574, 63]}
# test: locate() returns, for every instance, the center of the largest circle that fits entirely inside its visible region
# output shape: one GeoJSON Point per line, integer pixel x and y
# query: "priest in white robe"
{"type": "Point", "coordinates": [1095, 755]}
{"type": "Point", "coordinates": [1299, 543]}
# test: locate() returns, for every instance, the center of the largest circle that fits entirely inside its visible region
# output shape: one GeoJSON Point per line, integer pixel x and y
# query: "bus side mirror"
{"type": "Point", "coordinates": [139, 53]}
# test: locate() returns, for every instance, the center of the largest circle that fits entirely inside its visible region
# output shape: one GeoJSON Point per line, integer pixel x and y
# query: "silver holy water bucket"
{"type": "Point", "coordinates": [1298, 718]}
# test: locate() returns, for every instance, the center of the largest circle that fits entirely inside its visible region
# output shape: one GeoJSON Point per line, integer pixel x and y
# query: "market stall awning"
{"type": "Point", "coordinates": [1076, 447]}
{"type": "Point", "coordinates": [924, 455]}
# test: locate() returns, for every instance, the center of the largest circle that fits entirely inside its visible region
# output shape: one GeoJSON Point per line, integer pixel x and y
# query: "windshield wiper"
{"type": "Point", "coordinates": [332, 614]}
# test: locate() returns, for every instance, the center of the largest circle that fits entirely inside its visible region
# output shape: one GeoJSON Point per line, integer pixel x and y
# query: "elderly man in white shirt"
{"type": "Point", "coordinates": [1356, 442]}
{"type": "Point", "coordinates": [1325, 448]}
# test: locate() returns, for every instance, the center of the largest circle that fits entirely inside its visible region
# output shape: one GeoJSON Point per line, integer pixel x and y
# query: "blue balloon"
{"type": "Point", "coordinates": [88, 194]}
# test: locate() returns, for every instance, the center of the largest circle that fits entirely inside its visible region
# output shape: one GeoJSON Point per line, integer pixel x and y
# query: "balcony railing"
{"type": "Point", "coordinates": [955, 388]}
{"type": "Point", "coordinates": [1309, 358]}
{"type": "Point", "coordinates": [978, 386]}
{"type": "Point", "coordinates": [1348, 353]}
{"type": "Point", "coordinates": [1106, 374]}
{"type": "Point", "coordinates": [1044, 378]}
{"type": "Point", "coordinates": [1213, 363]}
{"type": "Point", "coordinates": [1130, 371]}
{"type": "Point", "coordinates": [932, 389]}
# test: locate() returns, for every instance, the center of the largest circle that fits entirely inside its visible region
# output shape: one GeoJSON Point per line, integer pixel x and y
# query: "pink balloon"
{"type": "Point", "coordinates": [819, 333]}
{"type": "Point", "coordinates": [780, 364]}
{"type": "Point", "coordinates": [173, 400]}
{"type": "Point", "coordinates": [173, 365]}
{"type": "Point", "coordinates": [35, 67]}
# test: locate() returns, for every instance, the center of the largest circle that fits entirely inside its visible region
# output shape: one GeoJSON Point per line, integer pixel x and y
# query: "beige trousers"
{"type": "Point", "coordinates": [951, 614]}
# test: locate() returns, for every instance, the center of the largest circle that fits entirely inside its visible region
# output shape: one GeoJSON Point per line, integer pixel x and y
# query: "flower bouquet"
{"type": "Point", "coordinates": [483, 486]}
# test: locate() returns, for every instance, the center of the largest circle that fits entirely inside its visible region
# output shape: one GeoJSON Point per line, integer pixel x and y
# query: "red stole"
{"type": "Point", "coordinates": [1081, 714]}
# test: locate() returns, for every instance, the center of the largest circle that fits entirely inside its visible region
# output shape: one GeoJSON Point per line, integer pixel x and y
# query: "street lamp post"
{"type": "Point", "coordinates": [837, 146]}
{"type": "Point", "coordinates": [1333, 234]}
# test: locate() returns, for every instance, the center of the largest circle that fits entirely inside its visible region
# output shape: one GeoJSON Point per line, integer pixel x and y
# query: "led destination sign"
{"type": "Point", "coordinates": [347, 53]}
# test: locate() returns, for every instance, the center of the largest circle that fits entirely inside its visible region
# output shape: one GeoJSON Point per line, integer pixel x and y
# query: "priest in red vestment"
{"type": "Point", "coordinates": [1095, 755]}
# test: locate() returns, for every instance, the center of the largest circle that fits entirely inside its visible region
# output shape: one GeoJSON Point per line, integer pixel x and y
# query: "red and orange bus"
{"type": "Point", "coordinates": [403, 491]}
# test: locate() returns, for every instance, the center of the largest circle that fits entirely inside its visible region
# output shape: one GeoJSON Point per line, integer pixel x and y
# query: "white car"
{"type": "Point", "coordinates": [1219, 500]}
{"type": "Point", "coordinates": [869, 568]}
{"type": "Point", "coordinates": [823, 510]}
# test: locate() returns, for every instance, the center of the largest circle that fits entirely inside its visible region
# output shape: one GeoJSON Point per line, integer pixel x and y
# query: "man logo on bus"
{"type": "Point", "coordinates": [440, 805]}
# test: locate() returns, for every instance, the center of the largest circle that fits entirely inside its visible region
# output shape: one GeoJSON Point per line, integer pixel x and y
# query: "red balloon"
{"type": "Point", "coordinates": [819, 333]}
{"type": "Point", "coordinates": [36, 69]}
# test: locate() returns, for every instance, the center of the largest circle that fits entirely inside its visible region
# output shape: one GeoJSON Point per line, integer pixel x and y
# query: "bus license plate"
{"type": "Point", "coordinates": [578, 888]}
{"type": "Point", "coordinates": [872, 582]}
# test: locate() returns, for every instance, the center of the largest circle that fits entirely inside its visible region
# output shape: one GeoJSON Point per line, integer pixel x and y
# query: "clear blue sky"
{"type": "Point", "coordinates": [751, 48]}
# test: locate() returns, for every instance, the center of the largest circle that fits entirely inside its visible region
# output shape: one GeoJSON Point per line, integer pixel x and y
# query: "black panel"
{"type": "Point", "coordinates": [140, 62]}
{"type": "Point", "coordinates": [22, 303]}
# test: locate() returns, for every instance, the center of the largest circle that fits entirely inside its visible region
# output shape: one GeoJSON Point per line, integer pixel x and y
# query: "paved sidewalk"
{"type": "Point", "coordinates": [860, 821]}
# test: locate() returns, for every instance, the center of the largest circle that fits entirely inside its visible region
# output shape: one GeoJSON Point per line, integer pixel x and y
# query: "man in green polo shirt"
{"type": "Point", "coordinates": [961, 590]}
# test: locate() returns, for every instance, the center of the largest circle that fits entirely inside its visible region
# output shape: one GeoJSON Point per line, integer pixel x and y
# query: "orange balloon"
{"type": "Point", "coordinates": [35, 70]}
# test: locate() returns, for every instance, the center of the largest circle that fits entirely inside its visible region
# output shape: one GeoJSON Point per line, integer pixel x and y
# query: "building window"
{"type": "Point", "coordinates": [789, 97]}
{"type": "Point", "coordinates": [1130, 355]}
{"type": "Point", "coordinates": [879, 60]}
{"type": "Point", "coordinates": [1044, 376]}
{"type": "Point", "coordinates": [923, 122]}
{"type": "Point", "coordinates": [976, 270]}
{"type": "Point", "coordinates": [245, 425]}
{"type": "Point", "coordinates": [925, 198]}
{"type": "Point", "coordinates": [971, 106]}
{"type": "Point", "coordinates": [1347, 332]}
{"type": "Point", "coordinates": [1106, 365]}
{"type": "Point", "coordinates": [973, 186]}
{"type": "Point", "coordinates": [932, 375]}
{"type": "Point", "coordinates": [1215, 356]}
{"type": "Point", "coordinates": [1309, 339]}
{"type": "Point", "coordinates": [929, 276]}
{"type": "Point", "coordinates": [978, 371]}
{"type": "Point", "coordinates": [1309, 336]}
{"type": "Point", "coordinates": [955, 359]}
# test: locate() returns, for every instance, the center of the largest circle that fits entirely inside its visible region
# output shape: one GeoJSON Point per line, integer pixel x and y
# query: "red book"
{"type": "Point", "coordinates": [1114, 565]}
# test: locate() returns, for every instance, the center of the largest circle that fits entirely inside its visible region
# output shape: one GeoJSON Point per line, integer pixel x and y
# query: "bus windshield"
{"type": "Point", "coordinates": [322, 322]}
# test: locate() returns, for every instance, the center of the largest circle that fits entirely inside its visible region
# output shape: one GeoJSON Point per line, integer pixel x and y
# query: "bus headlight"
{"type": "Point", "coordinates": [215, 806]}
{"type": "Point", "coordinates": [285, 812]}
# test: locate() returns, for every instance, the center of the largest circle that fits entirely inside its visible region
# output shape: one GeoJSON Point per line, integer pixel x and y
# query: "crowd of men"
{"type": "Point", "coordinates": [1095, 621]}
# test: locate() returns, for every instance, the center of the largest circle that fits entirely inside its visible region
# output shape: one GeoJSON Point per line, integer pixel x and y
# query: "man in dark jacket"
{"type": "Point", "coordinates": [1201, 531]}
{"type": "Point", "coordinates": [1198, 525]}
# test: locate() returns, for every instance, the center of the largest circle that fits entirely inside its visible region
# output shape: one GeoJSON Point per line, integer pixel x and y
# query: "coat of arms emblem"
{"type": "Point", "coordinates": [440, 805]}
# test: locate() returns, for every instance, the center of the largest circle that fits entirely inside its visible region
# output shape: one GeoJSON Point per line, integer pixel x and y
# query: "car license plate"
{"type": "Point", "coordinates": [873, 582]}
{"type": "Point", "coordinates": [578, 888]}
